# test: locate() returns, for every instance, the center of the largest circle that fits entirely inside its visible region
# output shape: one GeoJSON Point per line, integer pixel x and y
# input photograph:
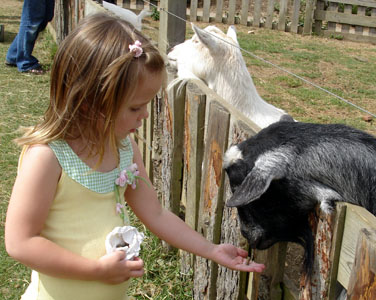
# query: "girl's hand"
{"type": "Point", "coordinates": [235, 258]}
{"type": "Point", "coordinates": [114, 269]}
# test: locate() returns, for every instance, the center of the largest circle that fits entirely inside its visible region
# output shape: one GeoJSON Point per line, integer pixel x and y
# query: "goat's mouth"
{"type": "Point", "coordinates": [172, 63]}
{"type": "Point", "coordinates": [262, 244]}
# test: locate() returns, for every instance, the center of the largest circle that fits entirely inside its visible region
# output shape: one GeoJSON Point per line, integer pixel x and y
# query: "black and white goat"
{"type": "Point", "coordinates": [279, 175]}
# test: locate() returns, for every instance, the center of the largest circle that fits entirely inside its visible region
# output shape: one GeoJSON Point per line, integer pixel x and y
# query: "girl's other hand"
{"type": "Point", "coordinates": [114, 269]}
{"type": "Point", "coordinates": [235, 258]}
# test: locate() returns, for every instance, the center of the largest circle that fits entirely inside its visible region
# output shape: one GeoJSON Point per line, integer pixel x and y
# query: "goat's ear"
{"type": "Point", "coordinates": [231, 32]}
{"type": "Point", "coordinates": [205, 37]}
{"type": "Point", "coordinates": [269, 166]}
{"type": "Point", "coordinates": [252, 188]}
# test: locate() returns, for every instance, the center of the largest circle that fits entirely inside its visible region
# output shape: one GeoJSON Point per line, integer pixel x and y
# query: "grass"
{"type": "Point", "coordinates": [345, 68]}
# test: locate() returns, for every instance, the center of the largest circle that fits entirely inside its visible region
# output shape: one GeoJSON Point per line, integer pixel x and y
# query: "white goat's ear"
{"type": "Point", "coordinates": [205, 37]}
{"type": "Point", "coordinates": [268, 166]}
{"type": "Point", "coordinates": [231, 32]}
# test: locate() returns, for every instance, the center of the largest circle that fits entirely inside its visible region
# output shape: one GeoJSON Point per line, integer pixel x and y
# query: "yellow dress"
{"type": "Point", "coordinates": [79, 220]}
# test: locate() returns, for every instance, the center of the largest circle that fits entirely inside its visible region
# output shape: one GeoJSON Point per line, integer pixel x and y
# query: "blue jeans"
{"type": "Point", "coordinates": [35, 16]}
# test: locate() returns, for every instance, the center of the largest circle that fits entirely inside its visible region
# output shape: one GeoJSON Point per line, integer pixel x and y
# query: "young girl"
{"type": "Point", "coordinates": [65, 199]}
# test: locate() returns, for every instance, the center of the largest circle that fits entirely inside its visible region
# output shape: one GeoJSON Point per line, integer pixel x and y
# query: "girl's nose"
{"type": "Point", "coordinates": [144, 113]}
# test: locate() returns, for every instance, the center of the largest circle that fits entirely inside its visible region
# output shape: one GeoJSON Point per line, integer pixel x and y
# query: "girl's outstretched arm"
{"type": "Point", "coordinates": [31, 198]}
{"type": "Point", "coordinates": [169, 227]}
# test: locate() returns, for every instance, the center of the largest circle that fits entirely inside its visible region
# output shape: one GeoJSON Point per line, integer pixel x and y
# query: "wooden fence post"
{"type": "Point", "coordinates": [172, 147]}
{"type": "Point", "coordinates": [211, 203]}
{"type": "Point", "coordinates": [193, 155]}
{"type": "Point", "coordinates": [327, 231]}
{"type": "Point", "coordinates": [219, 12]}
{"type": "Point", "coordinates": [1, 33]}
{"type": "Point", "coordinates": [231, 284]}
{"type": "Point", "coordinates": [269, 14]}
{"type": "Point", "coordinates": [362, 283]}
{"type": "Point", "coordinates": [171, 28]}
{"type": "Point", "coordinates": [61, 20]}
{"type": "Point", "coordinates": [244, 13]}
{"type": "Point", "coordinates": [257, 13]}
{"type": "Point", "coordinates": [308, 18]}
{"type": "Point", "coordinates": [282, 15]}
{"type": "Point", "coordinates": [295, 16]}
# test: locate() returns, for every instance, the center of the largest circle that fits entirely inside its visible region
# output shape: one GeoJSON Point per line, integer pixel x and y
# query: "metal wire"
{"type": "Point", "coordinates": [272, 64]}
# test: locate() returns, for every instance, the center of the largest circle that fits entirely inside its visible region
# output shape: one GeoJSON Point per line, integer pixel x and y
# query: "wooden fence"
{"type": "Point", "coordinates": [349, 19]}
{"type": "Point", "coordinates": [186, 136]}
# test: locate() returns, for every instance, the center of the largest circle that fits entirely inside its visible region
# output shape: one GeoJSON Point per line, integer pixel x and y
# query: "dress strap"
{"type": "Point", "coordinates": [75, 168]}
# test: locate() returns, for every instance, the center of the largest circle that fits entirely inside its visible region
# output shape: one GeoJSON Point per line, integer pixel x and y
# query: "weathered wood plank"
{"type": "Point", "coordinates": [347, 10]}
{"type": "Point", "coordinates": [257, 13]}
{"type": "Point", "coordinates": [366, 3]}
{"type": "Point", "coordinates": [219, 11]}
{"type": "Point", "coordinates": [194, 145]}
{"type": "Point", "coordinates": [269, 14]}
{"type": "Point", "coordinates": [231, 12]}
{"type": "Point", "coordinates": [339, 226]}
{"type": "Point", "coordinates": [206, 14]}
{"type": "Point", "coordinates": [327, 231]}
{"type": "Point", "coordinates": [149, 141]}
{"type": "Point", "coordinates": [290, 292]}
{"type": "Point", "coordinates": [172, 147]}
{"type": "Point", "coordinates": [171, 29]}
{"type": "Point", "coordinates": [336, 17]}
{"type": "Point", "coordinates": [282, 15]}
{"type": "Point", "coordinates": [372, 31]}
{"type": "Point", "coordinates": [295, 16]}
{"type": "Point", "coordinates": [126, 3]}
{"type": "Point", "coordinates": [193, 11]}
{"type": "Point", "coordinates": [268, 284]}
{"type": "Point", "coordinates": [244, 13]}
{"type": "Point", "coordinates": [361, 13]}
{"type": "Point", "coordinates": [318, 23]}
{"type": "Point", "coordinates": [351, 36]}
{"type": "Point", "coordinates": [1, 33]}
{"type": "Point", "coordinates": [363, 275]}
{"type": "Point", "coordinates": [231, 284]}
{"type": "Point", "coordinates": [308, 18]}
{"type": "Point", "coordinates": [211, 203]}
{"type": "Point", "coordinates": [356, 219]}
{"type": "Point", "coordinates": [193, 155]}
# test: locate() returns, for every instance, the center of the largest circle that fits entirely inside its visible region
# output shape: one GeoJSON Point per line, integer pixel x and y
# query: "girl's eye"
{"type": "Point", "coordinates": [135, 109]}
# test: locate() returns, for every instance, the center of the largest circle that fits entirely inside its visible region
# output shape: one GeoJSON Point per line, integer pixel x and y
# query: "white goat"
{"type": "Point", "coordinates": [127, 15]}
{"type": "Point", "coordinates": [214, 57]}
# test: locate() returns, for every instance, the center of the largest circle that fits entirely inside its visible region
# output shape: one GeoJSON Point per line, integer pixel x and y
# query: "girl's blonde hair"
{"type": "Point", "coordinates": [92, 74]}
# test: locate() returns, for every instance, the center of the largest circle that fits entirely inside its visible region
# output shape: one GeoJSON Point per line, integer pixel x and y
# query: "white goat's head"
{"type": "Point", "coordinates": [215, 58]}
{"type": "Point", "coordinates": [198, 57]}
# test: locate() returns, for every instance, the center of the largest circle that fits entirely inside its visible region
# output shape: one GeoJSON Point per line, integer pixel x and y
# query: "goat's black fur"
{"type": "Point", "coordinates": [288, 168]}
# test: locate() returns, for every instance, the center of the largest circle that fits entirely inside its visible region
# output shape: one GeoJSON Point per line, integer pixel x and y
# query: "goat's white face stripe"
{"type": "Point", "coordinates": [232, 155]}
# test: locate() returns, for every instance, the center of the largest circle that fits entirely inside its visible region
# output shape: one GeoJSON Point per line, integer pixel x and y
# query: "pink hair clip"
{"type": "Point", "coordinates": [136, 48]}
